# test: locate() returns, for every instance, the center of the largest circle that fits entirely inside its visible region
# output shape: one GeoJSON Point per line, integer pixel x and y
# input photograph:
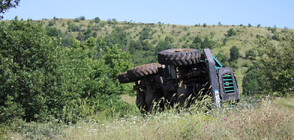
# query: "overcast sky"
{"type": "Point", "coordinates": [183, 12]}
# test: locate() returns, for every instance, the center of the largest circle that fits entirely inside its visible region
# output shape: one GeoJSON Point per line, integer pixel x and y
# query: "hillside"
{"type": "Point", "coordinates": [147, 39]}
{"type": "Point", "coordinates": [64, 72]}
{"type": "Point", "coordinates": [144, 40]}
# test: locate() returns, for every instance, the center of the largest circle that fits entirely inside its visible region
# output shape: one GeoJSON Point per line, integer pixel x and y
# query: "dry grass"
{"type": "Point", "coordinates": [267, 119]}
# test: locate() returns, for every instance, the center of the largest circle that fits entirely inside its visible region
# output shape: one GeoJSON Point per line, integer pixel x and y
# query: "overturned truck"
{"type": "Point", "coordinates": [181, 73]}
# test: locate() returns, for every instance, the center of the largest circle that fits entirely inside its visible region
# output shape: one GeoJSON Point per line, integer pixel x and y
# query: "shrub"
{"type": "Point", "coordinates": [234, 53]}
{"type": "Point", "coordinates": [231, 32]}
{"type": "Point", "coordinates": [74, 28]}
{"type": "Point", "coordinates": [29, 88]}
{"type": "Point", "coordinates": [97, 19]}
{"type": "Point", "coordinates": [251, 54]}
{"type": "Point", "coordinates": [77, 20]}
{"type": "Point", "coordinates": [204, 25]}
{"type": "Point", "coordinates": [278, 66]}
{"type": "Point", "coordinates": [82, 18]}
{"type": "Point", "coordinates": [251, 82]}
{"type": "Point", "coordinates": [40, 81]}
{"type": "Point", "coordinates": [222, 58]}
{"type": "Point", "coordinates": [51, 23]}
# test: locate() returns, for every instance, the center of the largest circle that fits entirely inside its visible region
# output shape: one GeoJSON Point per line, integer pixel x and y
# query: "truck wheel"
{"type": "Point", "coordinates": [123, 78]}
{"type": "Point", "coordinates": [140, 102]}
{"type": "Point", "coordinates": [139, 72]}
{"type": "Point", "coordinates": [179, 57]}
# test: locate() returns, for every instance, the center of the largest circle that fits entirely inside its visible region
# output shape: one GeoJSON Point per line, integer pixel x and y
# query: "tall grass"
{"type": "Point", "coordinates": [265, 119]}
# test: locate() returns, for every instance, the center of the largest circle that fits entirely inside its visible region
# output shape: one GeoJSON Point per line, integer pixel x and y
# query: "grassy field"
{"type": "Point", "coordinates": [252, 119]}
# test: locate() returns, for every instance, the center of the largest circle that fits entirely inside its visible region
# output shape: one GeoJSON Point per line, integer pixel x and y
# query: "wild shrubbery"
{"type": "Point", "coordinates": [41, 80]}
{"type": "Point", "coordinates": [30, 85]}
{"type": "Point", "coordinates": [47, 73]}
{"type": "Point", "coordinates": [273, 71]}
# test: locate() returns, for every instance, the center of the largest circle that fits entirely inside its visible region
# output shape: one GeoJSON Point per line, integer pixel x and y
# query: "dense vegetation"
{"type": "Point", "coordinates": [42, 79]}
{"type": "Point", "coordinates": [237, 46]}
{"type": "Point", "coordinates": [66, 69]}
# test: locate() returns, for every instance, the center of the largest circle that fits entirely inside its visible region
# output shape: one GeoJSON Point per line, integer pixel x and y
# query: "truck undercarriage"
{"type": "Point", "coordinates": [181, 73]}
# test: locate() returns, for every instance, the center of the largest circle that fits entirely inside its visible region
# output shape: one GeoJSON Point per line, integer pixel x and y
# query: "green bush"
{"type": "Point", "coordinates": [40, 81]}
{"type": "Point", "coordinates": [196, 43]}
{"type": "Point", "coordinates": [251, 82]}
{"type": "Point", "coordinates": [251, 54]}
{"type": "Point", "coordinates": [97, 19]}
{"type": "Point", "coordinates": [199, 44]}
{"type": "Point", "coordinates": [222, 58]}
{"type": "Point", "coordinates": [234, 53]}
{"type": "Point", "coordinates": [231, 32]}
{"type": "Point", "coordinates": [89, 81]}
{"type": "Point", "coordinates": [73, 27]}
{"type": "Point", "coordinates": [30, 86]}
{"type": "Point", "coordinates": [278, 67]}
{"type": "Point", "coordinates": [82, 17]}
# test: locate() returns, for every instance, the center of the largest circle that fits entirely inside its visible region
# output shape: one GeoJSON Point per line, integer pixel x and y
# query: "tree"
{"type": "Point", "coordinates": [234, 53]}
{"type": "Point", "coordinates": [77, 20]}
{"type": "Point", "coordinates": [41, 80]}
{"type": "Point", "coordinates": [222, 58]}
{"type": "Point", "coordinates": [204, 25]}
{"type": "Point", "coordinates": [53, 32]}
{"type": "Point", "coordinates": [82, 36]}
{"type": "Point", "coordinates": [251, 54]}
{"type": "Point", "coordinates": [145, 33]}
{"type": "Point", "coordinates": [73, 27]}
{"type": "Point", "coordinates": [97, 19]}
{"type": "Point", "coordinates": [276, 36]}
{"type": "Point", "coordinates": [207, 43]}
{"type": "Point", "coordinates": [29, 79]}
{"type": "Point", "coordinates": [164, 44]}
{"type": "Point", "coordinates": [225, 41]}
{"type": "Point", "coordinates": [118, 36]}
{"type": "Point", "coordinates": [251, 82]}
{"type": "Point", "coordinates": [134, 46]}
{"type": "Point", "coordinates": [82, 17]}
{"type": "Point", "coordinates": [219, 23]}
{"type": "Point", "coordinates": [278, 66]}
{"type": "Point", "coordinates": [7, 4]}
{"type": "Point", "coordinates": [196, 43]}
{"type": "Point", "coordinates": [231, 32]}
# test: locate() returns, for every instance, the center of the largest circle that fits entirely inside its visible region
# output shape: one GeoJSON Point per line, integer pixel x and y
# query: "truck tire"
{"type": "Point", "coordinates": [123, 78]}
{"type": "Point", "coordinates": [140, 72]}
{"type": "Point", "coordinates": [179, 57]}
{"type": "Point", "coordinates": [140, 102]}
